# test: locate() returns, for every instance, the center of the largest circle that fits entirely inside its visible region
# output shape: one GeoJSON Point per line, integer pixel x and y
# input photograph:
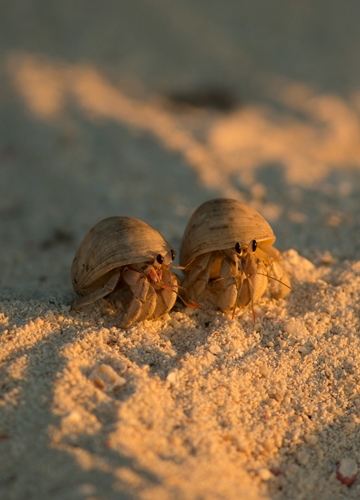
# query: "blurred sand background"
{"type": "Point", "coordinates": [147, 109]}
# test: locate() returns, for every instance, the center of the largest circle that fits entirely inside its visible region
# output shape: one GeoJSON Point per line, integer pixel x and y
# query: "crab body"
{"type": "Point", "coordinates": [227, 249]}
{"type": "Point", "coordinates": [123, 252]}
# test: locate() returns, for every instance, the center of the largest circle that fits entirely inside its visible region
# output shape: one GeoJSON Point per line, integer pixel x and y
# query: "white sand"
{"type": "Point", "coordinates": [196, 405]}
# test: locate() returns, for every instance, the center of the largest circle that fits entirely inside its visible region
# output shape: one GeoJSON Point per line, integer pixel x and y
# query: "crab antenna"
{"type": "Point", "coordinates": [175, 287]}
{"type": "Point", "coordinates": [193, 304]}
{"type": "Point", "coordinates": [275, 279]}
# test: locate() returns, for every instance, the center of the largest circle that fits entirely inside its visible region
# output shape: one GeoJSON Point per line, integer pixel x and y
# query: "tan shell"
{"type": "Point", "coordinates": [220, 223]}
{"type": "Point", "coordinates": [113, 243]}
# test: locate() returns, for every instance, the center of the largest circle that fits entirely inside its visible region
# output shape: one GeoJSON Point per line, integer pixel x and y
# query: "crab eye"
{"type": "Point", "coordinates": [238, 248]}
{"type": "Point", "coordinates": [253, 245]}
{"type": "Point", "coordinates": [160, 258]}
{"type": "Point", "coordinates": [173, 254]}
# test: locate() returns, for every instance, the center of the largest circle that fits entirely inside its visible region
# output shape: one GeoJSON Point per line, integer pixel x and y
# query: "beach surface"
{"type": "Point", "coordinates": [147, 109]}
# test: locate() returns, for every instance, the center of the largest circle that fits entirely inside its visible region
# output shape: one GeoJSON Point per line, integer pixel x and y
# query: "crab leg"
{"type": "Point", "coordinates": [144, 300]}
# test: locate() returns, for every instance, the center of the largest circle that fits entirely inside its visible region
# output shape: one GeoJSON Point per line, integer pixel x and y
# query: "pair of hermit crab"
{"type": "Point", "coordinates": [226, 249]}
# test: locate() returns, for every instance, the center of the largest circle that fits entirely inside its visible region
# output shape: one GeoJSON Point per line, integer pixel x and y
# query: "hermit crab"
{"type": "Point", "coordinates": [126, 253]}
{"type": "Point", "coordinates": [227, 249]}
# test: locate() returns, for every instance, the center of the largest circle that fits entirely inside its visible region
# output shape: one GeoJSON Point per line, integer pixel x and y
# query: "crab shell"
{"type": "Point", "coordinates": [218, 225]}
{"type": "Point", "coordinates": [113, 243]}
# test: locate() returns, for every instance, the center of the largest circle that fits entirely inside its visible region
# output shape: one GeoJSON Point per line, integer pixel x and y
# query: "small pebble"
{"type": "Point", "coordinates": [49, 315]}
{"type": "Point", "coordinates": [302, 457]}
{"type": "Point", "coordinates": [303, 350]}
{"type": "Point", "coordinates": [172, 379]}
{"type": "Point", "coordinates": [215, 349]}
{"type": "Point", "coordinates": [264, 370]}
{"type": "Point", "coordinates": [327, 259]}
{"type": "Point", "coordinates": [105, 377]}
{"type": "Point", "coordinates": [87, 489]}
{"type": "Point", "coordinates": [264, 474]}
{"type": "Point", "coordinates": [311, 439]}
{"type": "Point", "coordinates": [296, 329]}
{"type": "Point", "coordinates": [347, 470]}
{"type": "Point", "coordinates": [211, 357]}
{"type": "Point", "coordinates": [73, 417]}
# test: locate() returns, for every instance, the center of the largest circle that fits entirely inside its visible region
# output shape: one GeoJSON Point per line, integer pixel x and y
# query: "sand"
{"type": "Point", "coordinates": [148, 109]}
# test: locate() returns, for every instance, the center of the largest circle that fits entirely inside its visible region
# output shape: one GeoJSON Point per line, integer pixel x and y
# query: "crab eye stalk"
{"type": "Point", "coordinates": [173, 254]}
{"type": "Point", "coordinates": [160, 258]}
{"type": "Point", "coordinates": [253, 245]}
